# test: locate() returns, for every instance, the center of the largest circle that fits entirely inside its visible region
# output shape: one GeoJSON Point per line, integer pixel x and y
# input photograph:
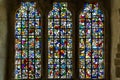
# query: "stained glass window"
{"type": "Point", "coordinates": [28, 42]}
{"type": "Point", "coordinates": [91, 42]}
{"type": "Point", "coordinates": [59, 42]}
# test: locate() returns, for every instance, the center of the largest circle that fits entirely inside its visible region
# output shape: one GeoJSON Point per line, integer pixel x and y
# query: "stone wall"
{"type": "Point", "coordinates": [3, 38]}
{"type": "Point", "coordinates": [115, 31]}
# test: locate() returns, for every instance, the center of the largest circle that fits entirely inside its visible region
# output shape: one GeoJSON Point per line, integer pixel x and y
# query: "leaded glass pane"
{"type": "Point", "coordinates": [28, 42]}
{"type": "Point", "coordinates": [60, 42]}
{"type": "Point", "coordinates": [91, 42]}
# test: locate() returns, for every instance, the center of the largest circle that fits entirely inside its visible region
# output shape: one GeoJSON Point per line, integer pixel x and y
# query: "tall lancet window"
{"type": "Point", "coordinates": [28, 40]}
{"type": "Point", "coordinates": [91, 42]}
{"type": "Point", "coordinates": [60, 42]}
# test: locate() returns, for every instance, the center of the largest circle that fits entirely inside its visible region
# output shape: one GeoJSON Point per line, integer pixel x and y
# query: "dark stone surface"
{"type": "Point", "coordinates": [118, 72]}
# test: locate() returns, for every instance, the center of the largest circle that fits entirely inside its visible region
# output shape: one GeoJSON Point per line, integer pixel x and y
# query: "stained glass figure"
{"type": "Point", "coordinates": [28, 42]}
{"type": "Point", "coordinates": [91, 42]}
{"type": "Point", "coordinates": [59, 42]}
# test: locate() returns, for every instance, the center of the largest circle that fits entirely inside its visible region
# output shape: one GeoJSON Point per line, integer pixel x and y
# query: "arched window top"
{"type": "Point", "coordinates": [92, 12]}
{"type": "Point", "coordinates": [60, 10]}
{"type": "Point", "coordinates": [91, 8]}
{"type": "Point", "coordinates": [27, 10]}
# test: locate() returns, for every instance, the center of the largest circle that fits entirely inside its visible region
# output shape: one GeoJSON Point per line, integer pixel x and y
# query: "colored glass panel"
{"type": "Point", "coordinates": [91, 42]}
{"type": "Point", "coordinates": [28, 42]}
{"type": "Point", "coordinates": [59, 42]}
